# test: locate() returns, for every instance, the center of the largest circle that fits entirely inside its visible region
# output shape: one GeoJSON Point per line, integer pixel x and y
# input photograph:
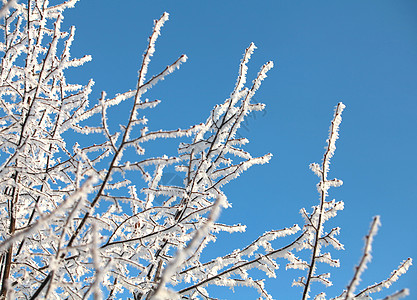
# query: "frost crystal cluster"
{"type": "Point", "coordinates": [81, 221]}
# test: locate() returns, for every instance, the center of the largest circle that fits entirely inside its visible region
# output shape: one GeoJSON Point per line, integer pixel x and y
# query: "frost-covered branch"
{"type": "Point", "coordinates": [398, 295]}
{"type": "Point", "coordinates": [402, 269]}
{"type": "Point", "coordinates": [182, 254]}
{"type": "Point", "coordinates": [366, 258]}
{"type": "Point", "coordinates": [322, 212]}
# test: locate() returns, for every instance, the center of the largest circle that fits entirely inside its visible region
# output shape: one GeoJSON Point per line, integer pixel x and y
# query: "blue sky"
{"type": "Point", "coordinates": [363, 53]}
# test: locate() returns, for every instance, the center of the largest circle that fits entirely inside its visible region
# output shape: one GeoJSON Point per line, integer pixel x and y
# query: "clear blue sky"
{"type": "Point", "coordinates": [363, 53]}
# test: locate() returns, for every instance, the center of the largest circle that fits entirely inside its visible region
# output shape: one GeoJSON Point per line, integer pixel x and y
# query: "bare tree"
{"type": "Point", "coordinates": [73, 223]}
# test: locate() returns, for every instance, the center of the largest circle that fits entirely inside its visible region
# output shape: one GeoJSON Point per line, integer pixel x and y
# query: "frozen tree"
{"type": "Point", "coordinates": [95, 220]}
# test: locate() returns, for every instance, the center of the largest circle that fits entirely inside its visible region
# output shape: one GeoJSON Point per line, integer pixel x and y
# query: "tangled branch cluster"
{"type": "Point", "coordinates": [72, 222]}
